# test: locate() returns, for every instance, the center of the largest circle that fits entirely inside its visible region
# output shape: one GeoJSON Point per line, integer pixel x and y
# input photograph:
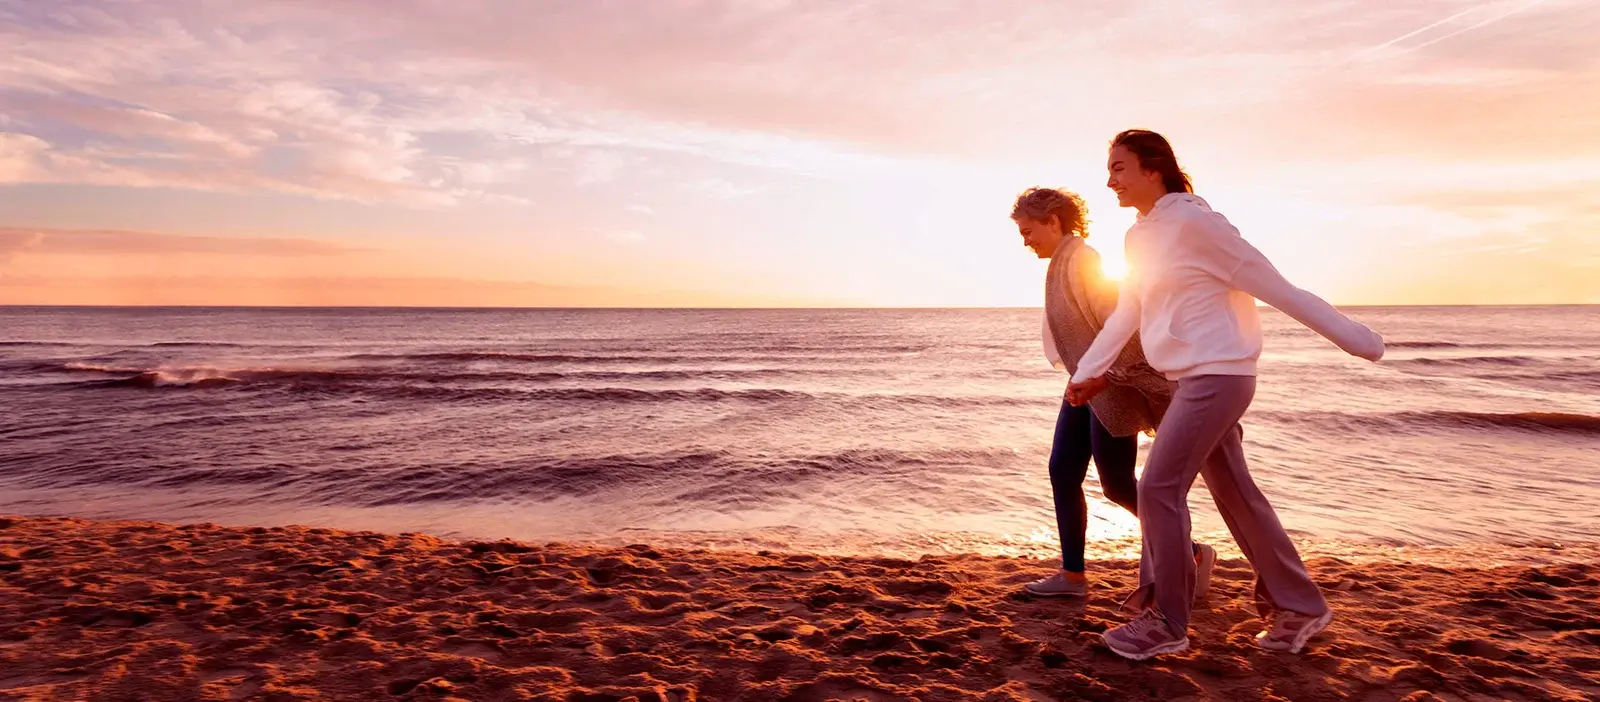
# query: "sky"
{"type": "Point", "coordinates": [774, 152]}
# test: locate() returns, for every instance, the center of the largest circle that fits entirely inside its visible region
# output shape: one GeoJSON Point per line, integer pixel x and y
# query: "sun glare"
{"type": "Point", "coordinates": [1114, 267]}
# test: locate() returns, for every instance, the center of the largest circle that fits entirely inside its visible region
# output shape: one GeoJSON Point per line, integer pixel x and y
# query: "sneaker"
{"type": "Point", "coordinates": [1058, 585]}
{"type": "Point", "coordinates": [1204, 562]}
{"type": "Point", "coordinates": [1145, 636]}
{"type": "Point", "coordinates": [1291, 630]}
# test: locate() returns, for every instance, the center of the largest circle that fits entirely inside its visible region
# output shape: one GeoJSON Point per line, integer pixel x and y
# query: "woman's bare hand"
{"type": "Point", "coordinates": [1080, 393]}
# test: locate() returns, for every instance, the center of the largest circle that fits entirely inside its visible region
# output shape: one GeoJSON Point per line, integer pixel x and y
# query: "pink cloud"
{"type": "Point", "coordinates": [20, 156]}
{"type": "Point", "coordinates": [424, 103]}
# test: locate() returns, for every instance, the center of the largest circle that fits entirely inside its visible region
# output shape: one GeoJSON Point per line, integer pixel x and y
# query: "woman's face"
{"type": "Point", "coordinates": [1041, 236]}
{"type": "Point", "coordinates": [1134, 186]}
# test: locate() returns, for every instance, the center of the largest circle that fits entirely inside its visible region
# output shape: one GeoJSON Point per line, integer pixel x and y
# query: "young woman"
{"type": "Point", "coordinates": [1191, 295]}
{"type": "Point", "coordinates": [1078, 299]}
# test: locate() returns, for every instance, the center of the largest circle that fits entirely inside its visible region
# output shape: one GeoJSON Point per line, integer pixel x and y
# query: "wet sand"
{"type": "Point", "coordinates": [140, 611]}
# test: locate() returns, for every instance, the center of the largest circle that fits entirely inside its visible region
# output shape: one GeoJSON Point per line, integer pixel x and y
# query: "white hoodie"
{"type": "Point", "coordinates": [1189, 295]}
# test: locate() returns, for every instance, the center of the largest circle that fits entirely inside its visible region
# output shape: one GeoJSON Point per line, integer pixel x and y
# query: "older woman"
{"type": "Point", "coordinates": [1078, 299]}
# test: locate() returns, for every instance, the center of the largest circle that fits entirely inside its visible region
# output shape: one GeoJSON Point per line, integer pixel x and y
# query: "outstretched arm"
{"type": "Point", "coordinates": [1239, 264]}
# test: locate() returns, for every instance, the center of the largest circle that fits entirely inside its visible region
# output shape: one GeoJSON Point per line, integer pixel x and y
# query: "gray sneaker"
{"type": "Point", "coordinates": [1204, 563]}
{"type": "Point", "coordinates": [1291, 630]}
{"type": "Point", "coordinates": [1057, 585]}
{"type": "Point", "coordinates": [1147, 635]}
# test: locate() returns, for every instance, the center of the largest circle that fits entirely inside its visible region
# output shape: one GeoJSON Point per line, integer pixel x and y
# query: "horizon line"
{"type": "Point", "coordinates": [713, 308]}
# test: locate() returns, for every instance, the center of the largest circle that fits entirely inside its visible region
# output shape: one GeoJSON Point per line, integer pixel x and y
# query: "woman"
{"type": "Point", "coordinates": [1077, 301]}
{"type": "Point", "coordinates": [1190, 297]}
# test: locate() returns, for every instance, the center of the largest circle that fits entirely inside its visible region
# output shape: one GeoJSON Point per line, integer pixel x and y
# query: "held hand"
{"type": "Point", "coordinates": [1080, 393]}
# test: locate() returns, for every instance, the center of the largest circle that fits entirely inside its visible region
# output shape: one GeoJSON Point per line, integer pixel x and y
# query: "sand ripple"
{"type": "Point", "coordinates": [136, 611]}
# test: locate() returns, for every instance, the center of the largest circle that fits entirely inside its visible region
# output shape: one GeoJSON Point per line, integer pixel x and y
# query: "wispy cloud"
{"type": "Point", "coordinates": [625, 236]}
{"type": "Point", "coordinates": [358, 290]}
{"type": "Point", "coordinates": [15, 240]}
{"type": "Point", "coordinates": [413, 102]}
{"type": "Point", "coordinates": [721, 189]}
{"type": "Point", "coordinates": [504, 127]}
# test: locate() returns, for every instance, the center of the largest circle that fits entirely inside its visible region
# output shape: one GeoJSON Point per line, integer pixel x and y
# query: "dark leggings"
{"type": "Point", "coordinates": [1079, 437]}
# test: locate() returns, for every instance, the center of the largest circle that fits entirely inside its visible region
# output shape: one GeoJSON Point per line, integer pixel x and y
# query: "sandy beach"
{"type": "Point", "coordinates": [142, 611]}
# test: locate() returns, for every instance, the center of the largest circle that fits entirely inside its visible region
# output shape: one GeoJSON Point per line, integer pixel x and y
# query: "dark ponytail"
{"type": "Point", "coordinates": [1155, 154]}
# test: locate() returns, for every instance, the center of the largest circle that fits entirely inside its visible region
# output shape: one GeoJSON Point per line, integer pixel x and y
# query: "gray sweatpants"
{"type": "Point", "coordinates": [1200, 435]}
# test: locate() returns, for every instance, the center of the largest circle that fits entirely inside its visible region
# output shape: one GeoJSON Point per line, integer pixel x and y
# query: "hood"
{"type": "Point", "coordinates": [1174, 201]}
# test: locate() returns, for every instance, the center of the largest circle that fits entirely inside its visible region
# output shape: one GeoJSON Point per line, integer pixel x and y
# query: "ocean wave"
{"type": "Point", "coordinates": [158, 379]}
{"type": "Point", "coordinates": [30, 367]}
{"type": "Point", "coordinates": [842, 401]}
{"type": "Point", "coordinates": [1530, 421]}
{"type": "Point", "coordinates": [1423, 345]}
{"type": "Point", "coordinates": [337, 383]}
{"type": "Point", "coordinates": [1570, 381]}
{"type": "Point", "coordinates": [1471, 361]}
{"type": "Point", "coordinates": [625, 395]}
{"type": "Point", "coordinates": [612, 358]}
{"type": "Point", "coordinates": [1517, 344]}
{"type": "Point", "coordinates": [1538, 422]}
{"type": "Point", "coordinates": [164, 376]}
{"type": "Point", "coordinates": [211, 377]}
{"type": "Point", "coordinates": [1585, 377]}
{"type": "Point", "coordinates": [1579, 371]}
{"type": "Point", "coordinates": [707, 476]}
{"type": "Point", "coordinates": [826, 348]}
{"type": "Point", "coordinates": [609, 395]}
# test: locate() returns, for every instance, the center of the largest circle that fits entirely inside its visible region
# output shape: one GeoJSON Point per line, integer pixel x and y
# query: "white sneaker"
{"type": "Point", "coordinates": [1058, 585]}
{"type": "Point", "coordinates": [1291, 630]}
{"type": "Point", "coordinates": [1146, 636]}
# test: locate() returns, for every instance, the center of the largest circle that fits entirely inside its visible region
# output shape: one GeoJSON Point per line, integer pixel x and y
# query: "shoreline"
{"type": "Point", "coordinates": [143, 610]}
{"type": "Point", "coordinates": [115, 506]}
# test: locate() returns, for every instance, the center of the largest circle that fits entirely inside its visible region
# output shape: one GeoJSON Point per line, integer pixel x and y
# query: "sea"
{"type": "Point", "coordinates": [885, 431]}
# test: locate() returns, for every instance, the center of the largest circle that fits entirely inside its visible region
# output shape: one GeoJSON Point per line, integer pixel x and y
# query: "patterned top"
{"type": "Point", "coordinates": [1077, 301]}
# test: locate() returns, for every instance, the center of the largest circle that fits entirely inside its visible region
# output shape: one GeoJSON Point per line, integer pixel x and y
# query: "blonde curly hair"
{"type": "Point", "coordinates": [1038, 204]}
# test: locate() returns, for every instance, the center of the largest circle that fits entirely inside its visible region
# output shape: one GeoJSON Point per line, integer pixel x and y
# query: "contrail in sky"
{"type": "Point", "coordinates": [1518, 9]}
{"type": "Point", "coordinates": [1414, 32]}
